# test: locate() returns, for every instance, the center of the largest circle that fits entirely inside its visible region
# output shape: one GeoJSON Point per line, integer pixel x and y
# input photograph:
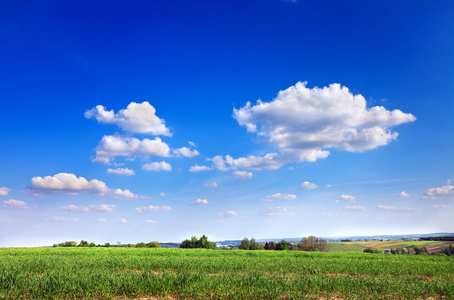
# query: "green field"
{"type": "Point", "coordinates": [359, 246]}
{"type": "Point", "coordinates": [120, 273]}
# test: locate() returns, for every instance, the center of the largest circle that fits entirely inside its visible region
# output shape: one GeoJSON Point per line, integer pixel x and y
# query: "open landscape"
{"type": "Point", "coordinates": [119, 273]}
{"type": "Point", "coordinates": [311, 141]}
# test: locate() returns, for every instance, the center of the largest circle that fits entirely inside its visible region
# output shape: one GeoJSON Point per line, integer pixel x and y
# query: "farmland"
{"type": "Point", "coordinates": [359, 246]}
{"type": "Point", "coordinates": [120, 273]}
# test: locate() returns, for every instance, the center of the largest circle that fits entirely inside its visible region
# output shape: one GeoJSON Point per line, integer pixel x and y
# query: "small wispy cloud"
{"type": "Point", "coordinates": [197, 168]}
{"type": "Point", "coordinates": [200, 202]}
{"type": "Point", "coordinates": [152, 208]}
{"type": "Point", "coordinates": [308, 185]}
{"type": "Point", "coordinates": [121, 171]}
{"type": "Point", "coordinates": [4, 191]}
{"type": "Point", "coordinates": [280, 196]}
{"type": "Point", "coordinates": [211, 184]}
{"type": "Point", "coordinates": [346, 198]}
{"type": "Point", "coordinates": [242, 174]}
{"type": "Point", "coordinates": [398, 209]}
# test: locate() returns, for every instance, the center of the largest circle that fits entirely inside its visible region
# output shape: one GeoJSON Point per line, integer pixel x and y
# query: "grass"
{"type": "Point", "coordinates": [106, 273]}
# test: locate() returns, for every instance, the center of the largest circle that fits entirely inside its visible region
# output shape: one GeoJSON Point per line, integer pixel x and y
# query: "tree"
{"type": "Point", "coordinates": [154, 245]}
{"type": "Point", "coordinates": [312, 243]}
{"type": "Point", "coordinates": [202, 242]}
{"type": "Point", "coordinates": [70, 244]}
{"type": "Point", "coordinates": [107, 245]}
{"type": "Point", "coordinates": [244, 244]}
{"type": "Point", "coordinates": [83, 243]}
{"type": "Point", "coordinates": [270, 246]}
{"type": "Point", "coordinates": [282, 245]}
{"type": "Point", "coordinates": [141, 245]}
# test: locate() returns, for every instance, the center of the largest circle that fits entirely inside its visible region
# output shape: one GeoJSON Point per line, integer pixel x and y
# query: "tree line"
{"type": "Point", "coordinates": [84, 243]}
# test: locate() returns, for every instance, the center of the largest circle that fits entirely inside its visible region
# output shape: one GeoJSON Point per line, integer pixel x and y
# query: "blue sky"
{"type": "Point", "coordinates": [160, 120]}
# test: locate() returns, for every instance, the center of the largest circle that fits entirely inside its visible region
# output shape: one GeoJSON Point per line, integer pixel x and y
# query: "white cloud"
{"type": "Point", "coordinates": [271, 161]}
{"type": "Point", "coordinates": [197, 168]}
{"type": "Point", "coordinates": [229, 213]}
{"type": "Point", "coordinates": [121, 171]}
{"type": "Point", "coordinates": [200, 202]}
{"type": "Point", "coordinates": [102, 220]}
{"type": "Point", "coordinates": [211, 184]}
{"type": "Point", "coordinates": [149, 221]}
{"type": "Point", "coordinates": [346, 198]}
{"type": "Point", "coordinates": [123, 221]}
{"type": "Point", "coordinates": [192, 144]}
{"type": "Point", "coordinates": [242, 174]}
{"type": "Point", "coordinates": [276, 211]}
{"type": "Point", "coordinates": [71, 184]}
{"type": "Point", "coordinates": [404, 194]}
{"type": "Point", "coordinates": [280, 196]}
{"type": "Point", "coordinates": [162, 194]}
{"type": "Point", "coordinates": [153, 208]}
{"type": "Point", "coordinates": [308, 185]}
{"type": "Point", "coordinates": [4, 191]}
{"type": "Point", "coordinates": [302, 122]}
{"type": "Point", "coordinates": [451, 181]}
{"type": "Point", "coordinates": [446, 191]}
{"type": "Point", "coordinates": [399, 209]}
{"type": "Point", "coordinates": [355, 208]}
{"type": "Point", "coordinates": [157, 166]}
{"type": "Point", "coordinates": [440, 205]}
{"type": "Point", "coordinates": [65, 183]}
{"type": "Point", "coordinates": [185, 151]}
{"type": "Point", "coordinates": [90, 208]}
{"type": "Point", "coordinates": [137, 117]}
{"type": "Point", "coordinates": [62, 219]}
{"type": "Point", "coordinates": [112, 146]}
{"type": "Point", "coordinates": [11, 203]}
{"type": "Point", "coordinates": [125, 194]}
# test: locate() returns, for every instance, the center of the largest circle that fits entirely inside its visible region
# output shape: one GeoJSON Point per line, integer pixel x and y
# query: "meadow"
{"type": "Point", "coordinates": [122, 273]}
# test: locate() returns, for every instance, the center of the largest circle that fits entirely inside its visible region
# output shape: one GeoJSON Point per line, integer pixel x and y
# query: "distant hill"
{"type": "Point", "coordinates": [352, 238]}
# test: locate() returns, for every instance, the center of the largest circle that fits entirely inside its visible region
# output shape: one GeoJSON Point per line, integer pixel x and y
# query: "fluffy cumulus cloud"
{"type": "Point", "coordinates": [121, 171]}
{"type": "Point", "coordinates": [280, 196]}
{"type": "Point", "coordinates": [4, 191]}
{"type": "Point", "coordinates": [68, 183]}
{"type": "Point", "coordinates": [346, 198]}
{"type": "Point", "coordinates": [444, 192]}
{"type": "Point", "coordinates": [157, 166]}
{"type": "Point", "coordinates": [90, 208]}
{"type": "Point", "coordinates": [65, 183]}
{"type": "Point", "coordinates": [308, 185]}
{"type": "Point", "coordinates": [200, 202]}
{"type": "Point", "coordinates": [398, 209]}
{"type": "Point", "coordinates": [404, 194]}
{"type": "Point", "coordinates": [153, 208]}
{"type": "Point", "coordinates": [11, 203]}
{"type": "Point", "coordinates": [302, 123]}
{"type": "Point", "coordinates": [125, 194]}
{"type": "Point", "coordinates": [355, 208]}
{"type": "Point", "coordinates": [112, 146]}
{"type": "Point", "coordinates": [197, 168]}
{"type": "Point", "coordinates": [211, 184]}
{"type": "Point", "coordinates": [276, 211]}
{"type": "Point", "coordinates": [185, 152]}
{"type": "Point", "coordinates": [136, 117]}
{"type": "Point", "coordinates": [242, 174]}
